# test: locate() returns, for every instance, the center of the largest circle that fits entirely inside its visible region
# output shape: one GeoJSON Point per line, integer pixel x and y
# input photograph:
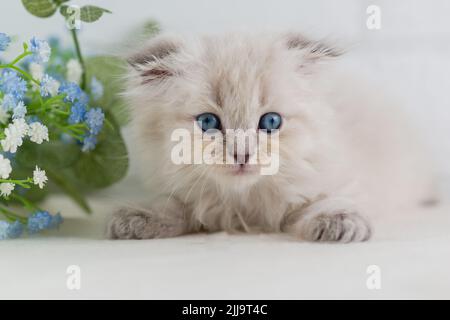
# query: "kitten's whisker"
{"type": "Point", "coordinates": [192, 187]}
{"type": "Point", "coordinates": [175, 186]}
{"type": "Point", "coordinates": [204, 185]}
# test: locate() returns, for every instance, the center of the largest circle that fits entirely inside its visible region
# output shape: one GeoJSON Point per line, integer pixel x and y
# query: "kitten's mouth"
{"type": "Point", "coordinates": [243, 169]}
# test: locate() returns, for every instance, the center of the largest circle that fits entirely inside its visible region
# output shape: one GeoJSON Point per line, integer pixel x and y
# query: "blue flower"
{"type": "Point", "coordinates": [10, 230]}
{"type": "Point", "coordinates": [77, 113]}
{"type": "Point", "coordinates": [38, 221]}
{"type": "Point", "coordinates": [94, 120]}
{"type": "Point", "coordinates": [89, 143]}
{"type": "Point", "coordinates": [15, 230]}
{"type": "Point", "coordinates": [4, 41]}
{"type": "Point", "coordinates": [4, 230]}
{"type": "Point", "coordinates": [9, 102]}
{"type": "Point", "coordinates": [20, 110]}
{"type": "Point", "coordinates": [73, 93]}
{"type": "Point", "coordinates": [42, 220]}
{"type": "Point", "coordinates": [57, 219]}
{"type": "Point", "coordinates": [40, 49]}
{"type": "Point", "coordinates": [96, 89]}
{"type": "Point", "coordinates": [71, 90]}
{"type": "Point", "coordinates": [11, 83]}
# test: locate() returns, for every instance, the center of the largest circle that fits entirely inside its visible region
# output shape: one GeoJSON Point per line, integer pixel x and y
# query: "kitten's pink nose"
{"type": "Point", "coordinates": [241, 158]}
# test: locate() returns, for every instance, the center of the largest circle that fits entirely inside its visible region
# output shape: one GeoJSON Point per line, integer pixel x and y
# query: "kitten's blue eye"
{"type": "Point", "coordinates": [270, 121]}
{"type": "Point", "coordinates": [208, 121]}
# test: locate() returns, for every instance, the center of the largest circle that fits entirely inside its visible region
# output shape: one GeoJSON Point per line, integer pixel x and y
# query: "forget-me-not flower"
{"type": "Point", "coordinates": [4, 41]}
{"type": "Point", "coordinates": [40, 49]}
{"type": "Point", "coordinates": [94, 120]}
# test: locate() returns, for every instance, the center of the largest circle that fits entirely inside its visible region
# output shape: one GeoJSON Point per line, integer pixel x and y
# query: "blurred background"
{"type": "Point", "coordinates": [409, 55]}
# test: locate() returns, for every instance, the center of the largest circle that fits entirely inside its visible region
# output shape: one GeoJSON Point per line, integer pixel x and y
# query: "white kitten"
{"type": "Point", "coordinates": [342, 153]}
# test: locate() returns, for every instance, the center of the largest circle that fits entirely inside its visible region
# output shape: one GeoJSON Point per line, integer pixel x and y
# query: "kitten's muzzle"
{"type": "Point", "coordinates": [241, 159]}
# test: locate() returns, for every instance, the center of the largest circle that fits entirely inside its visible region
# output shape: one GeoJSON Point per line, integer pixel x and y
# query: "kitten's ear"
{"type": "Point", "coordinates": [152, 61]}
{"type": "Point", "coordinates": [310, 52]}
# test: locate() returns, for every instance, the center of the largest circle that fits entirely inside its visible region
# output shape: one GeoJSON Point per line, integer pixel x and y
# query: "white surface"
{"type": "Point", "coordinates": [409, 55]}
{"type": "Point", "coordinates": [413, 255]}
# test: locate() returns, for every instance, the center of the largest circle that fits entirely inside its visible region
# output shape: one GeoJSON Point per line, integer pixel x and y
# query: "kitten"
{"type": "Point", "coordinates": [342, 154]}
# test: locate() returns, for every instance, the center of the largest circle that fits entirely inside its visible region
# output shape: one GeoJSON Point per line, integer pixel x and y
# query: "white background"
{"type": "Point", "coordinates": [410, 54]}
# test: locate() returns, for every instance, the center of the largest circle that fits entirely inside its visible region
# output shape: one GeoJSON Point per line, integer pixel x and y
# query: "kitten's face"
{"type": "Point", "coordinates": [215, 89]}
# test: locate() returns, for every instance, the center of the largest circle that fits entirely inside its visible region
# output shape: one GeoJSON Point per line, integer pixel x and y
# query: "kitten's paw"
{"type": "Point", "coordinates": [133, 224]}
{"type": "Point", "coordinates": [338, 227]}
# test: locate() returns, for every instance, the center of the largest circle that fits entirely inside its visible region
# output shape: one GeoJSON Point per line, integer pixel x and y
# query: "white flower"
{"type": "Point", "coordinates": [39, 177]}
{"type": "Point", "coordinates": [74, 71]}
{"type": "Point", "coordinates": [5, 167]}
{"type": "Point", "coordinates": [20, 110]}
{"type": "Point", "coordinates": [6, 189]}
{"type": "Point", "coordinates": [49, 86]}
{"type": "Point", "coordinates": [14, 134]}
{"type": "Point", "coordinates": [38, 132]}
{"type": "Point", "coordinates": [36, 71]}
{"type": "Point", "coordinates": [21, 126]}
{"type": "Point", "coordinates": [12, 140]}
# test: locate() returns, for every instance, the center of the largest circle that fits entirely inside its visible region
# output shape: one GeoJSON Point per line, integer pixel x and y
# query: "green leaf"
{"type": "Point", "coordinates": [107, 163]}
{"type": "Point", "coordinates": [40, 8]}
{"type": "Point", "coordinates": [71, 190]}
{"type": "Point", "coordinates": [150, 28]}
{"type": "Point", "coordinates": [87, 13]}
{"type": "Point", "coordinates": [63, 10]}
{"type": "Point", "coordinates": [92, 13]}
{"type": "Point", "coordinates": [110, 72]}
{"type": "Point", "coordinates": [53, 154]}
{"type": "Point", "coordinates": [59, 2]}
{"type": "Point", "coordinates": [34, 194]}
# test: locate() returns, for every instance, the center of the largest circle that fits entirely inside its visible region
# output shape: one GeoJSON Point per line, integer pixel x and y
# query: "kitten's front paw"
{"type": "Point", "coordinates": [133, 224]}
{"type": "Point", "coordinates": [338, 227]}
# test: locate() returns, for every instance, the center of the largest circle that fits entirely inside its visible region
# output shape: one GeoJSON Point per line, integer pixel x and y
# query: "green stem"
{"type": "Point", "coordinates": [27, 203]}
{"type": "Point", "coordinates": [64, 113]}
{"type": "Point", "coordinates": [70, 131]}
{"type": "Point", "coordinates": [76, 126]}
{"type": "Point", "coordinates": [25, 74]}
{"type": "Point", "coordinates": [23, 183]}
{"type": "Point", "coordinates": [109, 124]}
{"type": "Point", "coordinates": [23, 55]}
{"type": "Point", "coordinates": [11, 216]}
{"type": "Point", "coordinates": [17, 59]}
{"type": "Point", "coordinates": [49, 104]}
{"type": "Point", "coordinates": [80, 57]}
{"type": "Point", "coordinates": [12, 65]}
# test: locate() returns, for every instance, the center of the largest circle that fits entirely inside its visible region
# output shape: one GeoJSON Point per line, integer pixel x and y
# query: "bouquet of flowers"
{"type": "Point", "coordinates": [60, 120]}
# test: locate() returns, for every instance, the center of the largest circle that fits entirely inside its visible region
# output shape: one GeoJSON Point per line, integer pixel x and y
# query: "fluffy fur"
{"type": "Point", "coordinates": [344, 154]}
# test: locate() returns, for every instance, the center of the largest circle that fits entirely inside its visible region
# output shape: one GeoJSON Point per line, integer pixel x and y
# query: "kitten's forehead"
{"type": "Point", "coordinates": [237, 70]}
